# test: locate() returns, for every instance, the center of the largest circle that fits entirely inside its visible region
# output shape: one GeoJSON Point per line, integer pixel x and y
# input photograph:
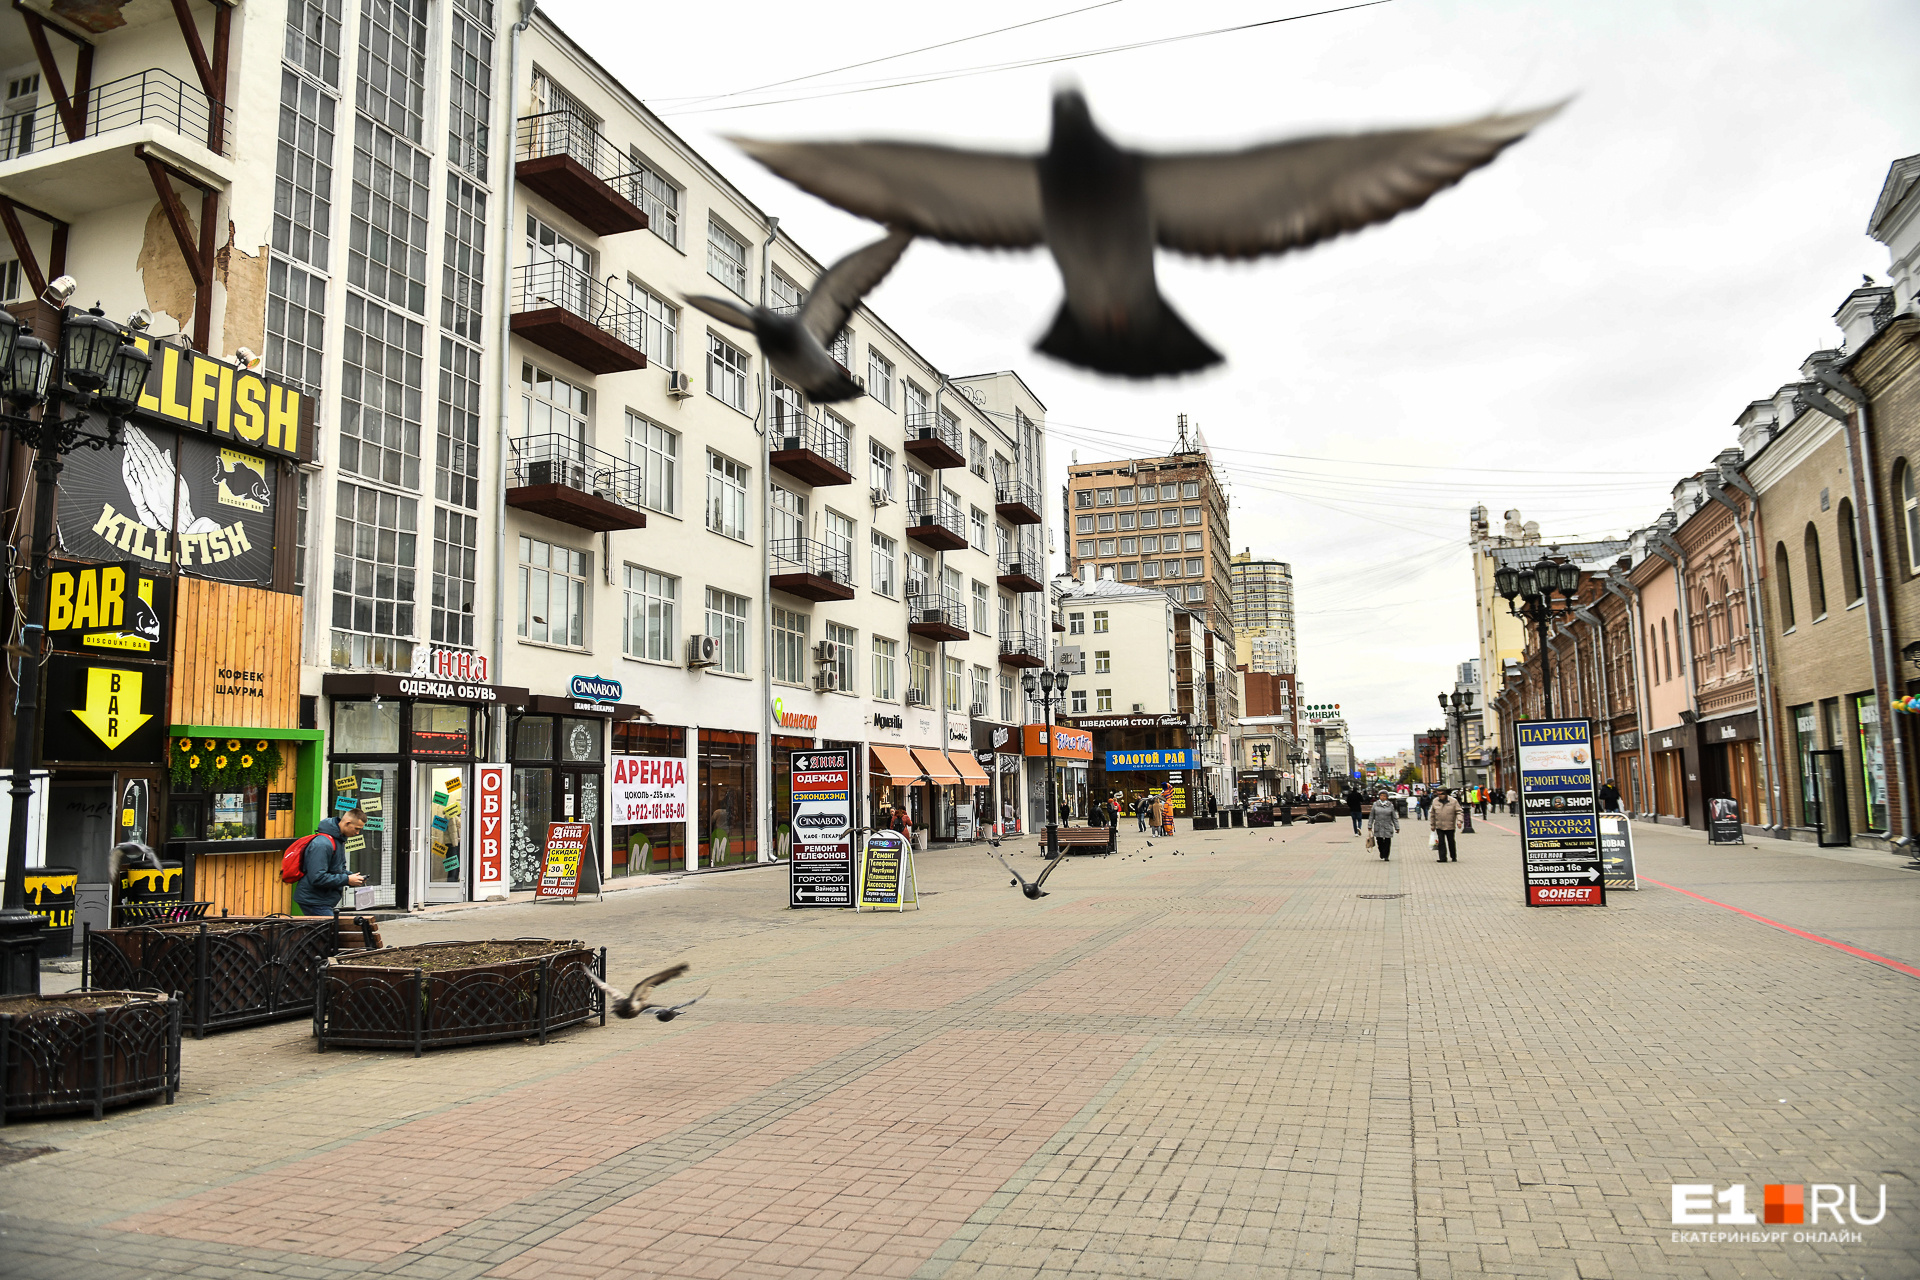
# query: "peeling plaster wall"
{"type": "Point", "coordinates": [243, 276]}
{"type": "Point", "coordinates": [168, 283]}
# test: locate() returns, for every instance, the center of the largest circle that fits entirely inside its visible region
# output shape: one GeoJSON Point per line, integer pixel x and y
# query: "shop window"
{"type": "Point", "coordinates": [532, 738]}
{"type": "Point", "coordinates": [1816, 575]}
{"type": "Point", "coordinates": [366, 728]}
{"type": "Point", "coordinates": [1077, 702]}
{"type": "Point", "coordinates": [553, 594]}
{"type": "Point", "coordinates": [727, 799]}
{"type": "Point", "coordinates": [373, 789]}
{"type": "Point", "coordinates": [649, 848]}
{"type": "Point", "coordinates": [440, 730]}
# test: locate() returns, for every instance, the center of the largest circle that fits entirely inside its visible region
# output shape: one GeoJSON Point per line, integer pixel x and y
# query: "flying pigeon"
{"type": "Point", "coordinates": [1032, 890]}
{"type": "Point", "coordinates": [796, 345]}
{"type": "Point", "coordinates": [634, 1003]}
{"type": "Point", "coordinates": [1102, 208]}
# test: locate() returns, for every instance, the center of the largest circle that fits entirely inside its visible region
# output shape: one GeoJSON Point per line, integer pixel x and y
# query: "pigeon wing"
{"type": "Point", "coordinates": [839, 291]}
{"type": "Point", "coordinates": [1048, 870]}
{"type": "Point", "coordinates": [984, 198]}
{"type": "Point", "coordinates": [1016, 875]}
{"type": "Point", "coordinates": [722, 310]}
{"type": "Point", "coordinates": [643, 988]}
{"type": "Point", "coordinates": [1287, 195]}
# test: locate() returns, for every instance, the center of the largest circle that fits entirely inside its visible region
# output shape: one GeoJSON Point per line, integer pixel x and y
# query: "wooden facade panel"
{"type": "Point", "coordinates": [236, 660]}
{"type": "Point", "coordinates": [242, 884]}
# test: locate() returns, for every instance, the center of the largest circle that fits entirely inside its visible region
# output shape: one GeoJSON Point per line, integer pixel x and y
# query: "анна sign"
{"type": "Point", "coordinates": [821, 871]}
{"type": "Point", "coordinates": [1559, 819]}
{"type": "Point", "coordinates": [647, 789]}
{"type": "Point", "coordinates": [569, 844]}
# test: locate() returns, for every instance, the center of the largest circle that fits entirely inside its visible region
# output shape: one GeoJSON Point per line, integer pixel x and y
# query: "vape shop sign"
{"type": "Point", "coordinates": [1560, 821]}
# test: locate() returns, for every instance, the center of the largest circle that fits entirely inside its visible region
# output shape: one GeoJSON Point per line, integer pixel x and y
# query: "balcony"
{"type": "Point", "coordinates": [562, 157]}
{"type": "Point", "coordinates": [811, 570]}
{"type": "Point", "coordinates": [122, 121]}
{"type": "Point", "coordinates": [934, 442]}
{"type": "Point", "coordinates": [1016, 503]}
{"type": "Point", "coordinates": [1059, 626]}
{"type": "Point", "coordinates": [808, 448]}
{"type": "Point", "coordinates": [937, 617]}
{"type": "Point", "coordinates": [557, 476]}
{"type": "Point", "coordinates": [1022, 649]}
{"type": "Point", "coordinates": [933, 523]}
{"type": "Point", "coordinates": [576, 317]}
{"type": "Point", "coordinates": [1021, 574]}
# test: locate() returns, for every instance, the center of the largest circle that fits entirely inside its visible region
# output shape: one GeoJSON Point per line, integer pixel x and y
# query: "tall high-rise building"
{"type": "Point", "coordinates": [1263, 614]}
{"type": "Point", "coordinates": [1155, 522]}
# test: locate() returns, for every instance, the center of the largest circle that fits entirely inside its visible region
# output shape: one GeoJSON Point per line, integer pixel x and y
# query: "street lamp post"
{"type": "Point", "coordinates": [1047, 689]}
{"type": "Point", "coordinates": [92, 364]}
{"type": "Point", "coordinates": [1457, 707]}
{"type": "Point", "coordinates": [1260, 753]}
{"type": "Point", "coordinates": [1534, 587]}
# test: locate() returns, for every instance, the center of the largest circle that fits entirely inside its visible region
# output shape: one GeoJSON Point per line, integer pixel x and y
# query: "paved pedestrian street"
{"type": "Point", "coordinates": [1248, 1053]}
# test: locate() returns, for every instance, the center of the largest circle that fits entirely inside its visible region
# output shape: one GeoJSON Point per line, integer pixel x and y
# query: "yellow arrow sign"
{"type": "Point", "coordinates": [113, 705]}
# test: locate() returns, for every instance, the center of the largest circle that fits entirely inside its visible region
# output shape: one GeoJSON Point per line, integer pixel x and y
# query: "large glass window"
{"type": "Point", "coordinates": [659, 328]}
{"type": "Point", "coordinates": [374, 561]}
{"type": "Point", "coordinates": [656, 451]}
{"type": "Point", "coordinates": [955, 674]}
{"type": "Point", "coordinates": [727, 623]}
{"type": "Point", "coordinates": [366, 728]}
{"type": "Point", "coordinates": [726, 257]}
{"type": "Point", "coordinates": [296, 323]}
{"type": "Point", "coordinates": [843, 640]}
{"type": "Point", "coordinates": [884, 559]}
{"type": "Point", "coordinates": [879, 378]}
{"type": "Point", "coordinates": [790, 628]}
{"type": "Point", "coordinates": [886, 654]}
{"type": "Point", "coordinates": [726, 372]}
{"type": "Point", "coordinates": [381, 376]}
{"type": "Point", "coordinates": [470, 104]}
{"type": "Point", "coordinates": [303, 171]}
{"type": "Point", "coordinates": [387, 228]}
{"type": "Point", "coordinates": [658, 199]}
{"type": "Point", "coordinates": [313, 38]}
{"type": "Point", "coordinates": [726, 497]}
{"type": "Point", "coordinates": [393, 63]}
{"type": "Point", "coordinates": [553, 594]}
{"type": "Point", "coordinates": [552, 406]}
{"type": "Point", "coordinates": [653, 634]}
{"type": "Point", "coordinates": [1873, 763]}
{"type": "Point", "coordinates": [456, 551]}
{"type": "Point", "coordinates": [440, 729]}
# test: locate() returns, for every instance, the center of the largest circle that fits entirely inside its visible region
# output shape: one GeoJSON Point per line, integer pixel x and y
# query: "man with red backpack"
{"type": "Point", "coordinates": [322, 864]}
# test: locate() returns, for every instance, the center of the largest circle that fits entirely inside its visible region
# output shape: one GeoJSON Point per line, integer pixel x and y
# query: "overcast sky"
{"type": "Point", "coordinates": [1566, 332]}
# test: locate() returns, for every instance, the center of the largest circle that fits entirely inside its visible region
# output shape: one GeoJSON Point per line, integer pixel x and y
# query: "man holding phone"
{"type": "Point", "coordinates": [324, 865]}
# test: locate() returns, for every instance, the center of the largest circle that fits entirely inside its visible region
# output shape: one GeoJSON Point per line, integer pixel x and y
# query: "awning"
{"type": "Point", "coordinates": [933, 762]}
{"type": "Point", "coordinates": [970, 770]}
{"type": "Point", "coordinates": [896, 764]}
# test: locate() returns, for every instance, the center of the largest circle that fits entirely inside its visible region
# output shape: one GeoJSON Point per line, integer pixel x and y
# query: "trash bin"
{"type": "Point", "coordinates": [50, 895]}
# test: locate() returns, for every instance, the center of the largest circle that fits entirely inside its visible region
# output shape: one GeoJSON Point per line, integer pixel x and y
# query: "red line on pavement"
{"type": "Point", "coordinates": [1907, 969]}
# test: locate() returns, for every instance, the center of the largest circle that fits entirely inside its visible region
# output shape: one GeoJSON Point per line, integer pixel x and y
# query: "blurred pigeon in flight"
{"type": "Point", "coordinates": [796, 345]}
{"type": "Point", "coordinates": [1032, 889]}
{"type": "Point", "coordinates": [634, 1003]}
{"type": "Point", "coordinates": [1101, 209]}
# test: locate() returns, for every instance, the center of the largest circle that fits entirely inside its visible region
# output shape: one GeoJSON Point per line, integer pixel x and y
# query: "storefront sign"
{"type": "Point", "coordinates": [189, 389]}
{"type": "Point", "coordinates": [647, 789]}
{"type": "Point", "coordinates": [1723, 822]}
{"type": "Point", "coordinates": [109, 712]}
{"type": "Point", "coordinates": [1628, 741]}
{"type": "Point", "coordinates": [821, 871]}
{"type": "Point", "coordinates": [883, 721]}
{"type": "Point", "coordinates": [1000, 739]}
{"type": "Point", "coordinates": [1559, 822]}
{"type": "Point", "coordinates": [490, 785]}
{"type": "Point", "coordinates": [569, 847]}
{"type": "Point", "coordinates": [595, 688]}
{"type": "Point", "coordinates": [792, 719]}
{"type": "Point", "coordinates": [1068, 744]}
{"type": "Point", "coordinates": [450, 664]}
{"type": "Point", "coordinates": [1738, 728]}
{"type": "Point", "coordinates": [1616, 851]}
{"type": "Point", "coordinates": [1131, 722]}
{"type": "Point", "coordinates": [1152, 758]}
{"type": "Point", "coordinates": [433, 690]}
{"type": "Point", "coordinates": [959, 733]}
{"type": "Point", "coordinates": [119, 608]}
{"type": "Point", "coordinates": [886, 872]}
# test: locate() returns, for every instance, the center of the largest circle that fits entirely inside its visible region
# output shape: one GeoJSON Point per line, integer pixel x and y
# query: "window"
{"type": "Point", "coordinates": [727, 623]}
{"type": "Point", "coordinates": [843, 640]}
{"type": "Point", "coordinates": [1104, 497]}
{"type": "Point", "coordinates": [1149, 519]}
{"type": "Point", "coordinates": [1076, 624]}
{"type": "Point", "coordinates": [879, 378]}
{"type": "Point", "coordinates": [553, 594]}
{"type": "Point", "coordinates": [919, 487]}
{"type": "Point", "coordinates": [380, 392]}
{"type": "Point", "coordinates": [982, 610]}
{"type": "Point", "coordinates": [658, 199]}
{"type": "Point", "coordinates": [977, 528]}
{"type": "Point", "coordinates": [303, 171]}
{"type": "Point", "coordinates": [1083, 524]}
{"type": "Point", "coordinates": [1193, 542]}
{"type": "Point", "coordinates": [1129, 546]}
{"type": "Point", "coordinates": [1849, 551]}
{"type": "Point", "coordinates": [880, 467]}
{"type": "Point", "coordinates": [1106, 546]}
{"type": "Point", "coordinates": [726, 498]}
{"type": "Point", "coordinates": [982, 691]}
{"type": "Point", "coordinates": [783, 293]}
{"type": "Point", "coordinates": [1816, 577]}
{"type": "Point", "coordinates": [296, 320]}
{"type": "Point", "coordinates": [1127, 519]}
{"type": "Point", "coordinates": [1078, 702]}
{"type": "Point", "coordinates": [387, 224]}
{"type": "Point", "coordinates": [1150, 569]}
{"type": "Point", "coordinates": [1129, 572]}
{"type": "Point", "coordinates": [976, 455]}
{"type": "Point", "coordinates": [373, 561]}
{"type": "Point", "coordinates": [790, 645]}
{"type": "Point", "coordinates": [1083, 498]}
{"type": "Point", "coordinates": [470, 95]}
{"type": "Point", "coordinates": [885, 654]}
{"type": "Point", "coordinates": [1168, 492]}
{"type": "Point", "coordinates": [456, 471]}
{"type": "Point", "coordinates": [1190, 489]}
{"type": "Point", "coordinates": [656, 451]}
{"type": "Point", "coordinates": [883, 563]}
{"type": "Point", "coordinates": [1102, 661]}
{"type": "Point", "coordinates": [839, 530]}
{"type": "Point", "coordinates": [726, 372]}
{"type": "Point", "coordinates": [917, 405]}
{"type": "Point", "coordinates": [651, 633]}
{"type": "Point", "coordinates": [1002, 544]}
{"type": "Point", "coordinates": [919, 569]}
{"type": "Point", "coordinates": [726, 258]}
{"type": "Point", "coordinates": [1170, 518]}
{"type": "Point", "coordinates": [1196, 592]}
{"type": "Point", "coordinates": [659, 326]}
{"type": "Point", "coordinates": [1149, 546]}
{"type": "Point", "coordinates": [313, 38]}
{"type": "Point", "coordinates": [1124, 495]}
{"type": "Point", "coordinates": [1099, 622]}
{"type": "Point", "coordinates": [1666, 649]}
{"type": "Point", "coordinates": [553, 407]}
{"type": "Point", "coordinates": [456, 540]}
{"type": "Point", "coordinates": [1194, 569]}
{"type": "Point", "coordinates": [788, 511]}
{"type": "Point", "coordinates": [393, 63]}
{"type": "Point", "coordinates": [955, 671]}
{"type": "Point", "coordinates": [920, 673]}
{"type": "Point", "coordinates": [1910, 508]}
{"type": "Point", "coordinates": [1085, 549]}
{"type": "Point", "coordinates": [1173, 568]}
{"type": "Point", "coordinates": [1104, 524]}
{"type": "Point", "coordinates": [1191, 514]}
{"type": "Point", "coordinates": [1103, 699]}
{"type": "Point", "coordinates": [841, 348]}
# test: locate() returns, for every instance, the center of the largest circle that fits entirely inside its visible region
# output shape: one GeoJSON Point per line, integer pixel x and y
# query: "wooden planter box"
{"type": "Point", "coordinates": [397, 1004]}
{"type": "Point", "coordinates": [229, 972]}
{"type": "Point", "coordinates": [80, 1057]}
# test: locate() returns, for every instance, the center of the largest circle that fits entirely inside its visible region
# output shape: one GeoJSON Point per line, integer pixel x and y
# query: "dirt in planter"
{"type": "Point", "coordinates": [220, 924]}
{"type": "Point", "coordinates": [90, 1000]}
{"type": "Point", "coordinates": [435, 957]}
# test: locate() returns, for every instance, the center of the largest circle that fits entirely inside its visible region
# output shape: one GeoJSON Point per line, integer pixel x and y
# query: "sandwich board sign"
{"type": "Point", "coordinates": [886, 872]}
{"type": "Point", "coordinates": [566, 860]}
{"type": "Point", "coordinates": [820, 871]}
{"type": "Point", "coordinates": [1616, 852]}
{"type": "Point", "coordinates": [1559, 817]}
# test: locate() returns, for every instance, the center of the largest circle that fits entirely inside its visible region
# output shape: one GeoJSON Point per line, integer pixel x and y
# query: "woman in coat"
{"type": "Point", "coordinates": [1385, 823]}
{"type": "Point", "coordinates": [1445, 820]}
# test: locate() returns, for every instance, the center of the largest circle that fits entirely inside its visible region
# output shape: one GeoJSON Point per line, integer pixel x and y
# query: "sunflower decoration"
{"type": "Point", "coordinates": [211, 744]}
{"type": "Point", "coordinates": [246, 762]}
{"type": "Point", "coordinates": [260, 746]}
{"type": "Point", "coordinates": [233, 744]}
{"type": "Point", "coordinates": [220, 762]}
{"type": "Point", "coordinates": [193, 762]}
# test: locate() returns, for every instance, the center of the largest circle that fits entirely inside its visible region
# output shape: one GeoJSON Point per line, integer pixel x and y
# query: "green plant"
{"type": "Point", "coordinates": [210, 764]}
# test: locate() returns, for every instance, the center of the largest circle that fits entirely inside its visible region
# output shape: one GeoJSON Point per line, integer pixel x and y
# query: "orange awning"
{"type": "Point", "coordinates": [895, 763]}
{"type": "Point", "coordinates": [933, 762]}
{"type": "Point", "coordinates": [970, 770]}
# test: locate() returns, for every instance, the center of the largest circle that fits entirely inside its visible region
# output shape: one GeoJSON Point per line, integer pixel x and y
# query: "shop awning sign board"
{"type": "Point", "coordinates": [647, 789]}
{"type": "Point", "coordinates": [821, 872]}
{"type": "Point", "coordinates": [1152, 758]}
{"type": "Point", "coordinates": [1559, 818]}
{"type": "Point", "coordinates": [933, 762]}
{"type": "Point", "coordinates": [896, 764]}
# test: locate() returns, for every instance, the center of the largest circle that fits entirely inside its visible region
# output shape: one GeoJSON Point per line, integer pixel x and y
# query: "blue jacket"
{"type": "Point", "coordinates": [325, 864]}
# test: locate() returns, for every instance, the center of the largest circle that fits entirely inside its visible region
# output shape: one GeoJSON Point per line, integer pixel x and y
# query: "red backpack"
{"type": "Point", "coordinates": [292, 866]}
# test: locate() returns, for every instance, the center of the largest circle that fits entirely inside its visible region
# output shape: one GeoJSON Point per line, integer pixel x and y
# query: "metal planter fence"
{"type": "Point", "coordinates": [80, 1058]}
{"type": "Point", "coordinates": [400, 1005]}
{"type": "Point", "coordinates": [229, 972]}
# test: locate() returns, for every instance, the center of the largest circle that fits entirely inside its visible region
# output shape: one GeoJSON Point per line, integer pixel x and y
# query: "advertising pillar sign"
{"type": "Point", "coordinates": [820, 873]}
{"type": "Point", "coordinates": [1559, 818]}
{"type": "Point", "coordinates": [490, 850]}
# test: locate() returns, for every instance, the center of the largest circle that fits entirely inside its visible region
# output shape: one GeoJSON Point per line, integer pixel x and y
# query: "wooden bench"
{"type": "Point", "coordinates": [1092, 839]}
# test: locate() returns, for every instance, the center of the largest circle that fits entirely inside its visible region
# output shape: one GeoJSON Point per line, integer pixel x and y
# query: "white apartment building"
{"type": "Point", "coordinates": [552, 516]}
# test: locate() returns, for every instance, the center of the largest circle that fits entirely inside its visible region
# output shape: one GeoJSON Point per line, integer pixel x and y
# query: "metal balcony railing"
{"type": "Point", "coordinates": [796, 429]}
{"type": "Point", "coordinates": [936, 610]}
{"type": "Point", "coordinates": [553, 458]}
{"type": "Point", "coordinates": [1011, 492]}
{"type": "Point", "coordinates": [540, 285]}
{"type": "Point", "coordinates": [931, 426]}
{"type": "Point", "coordinates": [148, 97]}
{"type": "Point", "coordinates": [1029, 643]}
{"type": "Point", "coordinates": [923, 512]}
{"type": "Point", "coordinates": [807, 555]}
{"type": "Point", "coordinates": [565, 133]}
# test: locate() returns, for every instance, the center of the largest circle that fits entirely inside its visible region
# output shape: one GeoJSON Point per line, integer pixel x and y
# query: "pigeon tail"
{"type": "Point", "coordinates": [1164, 345]}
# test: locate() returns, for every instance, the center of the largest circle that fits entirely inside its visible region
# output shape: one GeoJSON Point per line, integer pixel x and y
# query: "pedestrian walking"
{"type": "Point", "coordinates": [1482, 795]}
{"type": "Point", "coordinates": [1154, 808]}
{"type": "Point", "coordinates": [1384, 822]}
{"type": "Point", "coordinates": [1140, 807]}
{"type": "Point", "coordinates": [1513, 800]}
{"type": "Point", "coordinates": [1445, 820]}
{"type": "Point", "coordinates": [1609, 797]}
{"type": "Point", "coordinates": [1426, 799]}
{"type": "Point", "coordinates": [323, 865]}
{"type": "Point", "coordinates": [1356, 807]}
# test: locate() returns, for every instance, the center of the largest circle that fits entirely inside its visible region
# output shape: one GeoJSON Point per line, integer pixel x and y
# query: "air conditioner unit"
{"type": "Point", "coordinates": [1138, 707]}
{"type": "Point", "coordinates": [823, 651]}
{"type": "Point", "coordinates": [881, 498]}
{"type": "Point", "coordinates": [917, 698]}
{"type": "Point", "coordinates": [915, 586]}
{"type": "Point", "coordinates": [790, 444]}
{"type": "Point", "coordinates": [702, 651]}
{"type": "Point", "coordinates": [827, 681]}
{"type": "Point", "coordinates": [933, 615]}
{"type": "Point", "coordinates": [679, 385]}
{"type": "Point", "coordinates": [979, 709]}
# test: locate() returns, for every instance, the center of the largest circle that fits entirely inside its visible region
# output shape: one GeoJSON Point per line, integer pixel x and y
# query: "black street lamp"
{"type": "Point", "coordinates": [1456, 708]}
{"type": "Point", "coordinates": [94, 367]}
{"type": "Point", "coordinates": [1534, 587]}
{"type": "Point", "coordinates": [1048, 688]}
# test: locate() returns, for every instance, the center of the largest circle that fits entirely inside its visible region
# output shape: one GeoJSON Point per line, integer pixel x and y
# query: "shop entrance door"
{"type": "Point", "coordinates": [440, 860]}
{"type": "Point", "coordinates": [1828, 805]}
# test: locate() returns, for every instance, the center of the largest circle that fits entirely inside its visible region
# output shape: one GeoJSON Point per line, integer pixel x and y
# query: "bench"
{"type": "Point", "coordinates": [1099, 839]}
